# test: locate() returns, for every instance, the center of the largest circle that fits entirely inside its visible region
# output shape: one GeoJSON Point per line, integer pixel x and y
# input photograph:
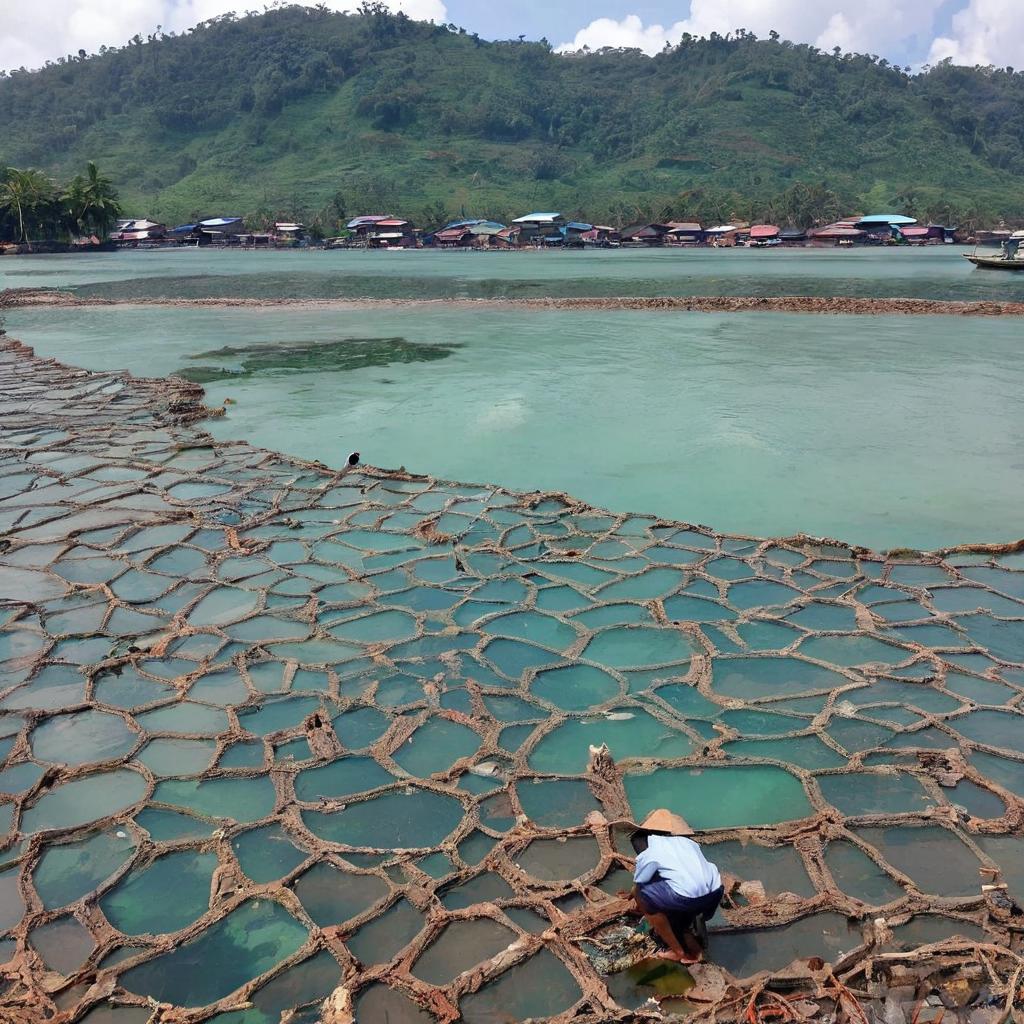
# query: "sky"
{"type": "Point", "coordinates": [907, 32]}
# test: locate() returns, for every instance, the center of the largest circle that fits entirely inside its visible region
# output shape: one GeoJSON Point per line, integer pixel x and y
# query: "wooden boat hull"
{"type": "Point", "coordinates": [994, 262]}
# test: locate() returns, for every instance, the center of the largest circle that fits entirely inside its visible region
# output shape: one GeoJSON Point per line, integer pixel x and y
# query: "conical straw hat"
{"type": "Point", "coordinates": [664, 821]}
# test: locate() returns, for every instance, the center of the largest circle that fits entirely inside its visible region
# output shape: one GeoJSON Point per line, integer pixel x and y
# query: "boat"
{"type": "Point", "coordinates": [1011, 257]}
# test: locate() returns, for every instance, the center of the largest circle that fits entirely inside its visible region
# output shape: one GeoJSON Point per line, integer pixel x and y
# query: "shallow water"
{"type": "Point", "coordinates": [934, 272]}
{"type": "Point", "coordinates": [401, 682]}
{"type": "Point", "coordinates": [886, 431]}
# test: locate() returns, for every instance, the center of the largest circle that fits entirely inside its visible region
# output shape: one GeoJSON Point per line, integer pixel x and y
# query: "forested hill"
{"type": "Point", "coordinates": [307, 113]}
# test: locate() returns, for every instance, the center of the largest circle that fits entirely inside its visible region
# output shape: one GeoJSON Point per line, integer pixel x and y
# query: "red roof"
{"type": "Point", "coordinates": [839, 230]}
{"type": "Point", "coordinates": [764, 231]}
{"type": "Point", "coordinates": [915, 232]}
{"type": "Point", "coordinates": [451, 234]}
{"type": "Point", "coordinates": [391, 223]}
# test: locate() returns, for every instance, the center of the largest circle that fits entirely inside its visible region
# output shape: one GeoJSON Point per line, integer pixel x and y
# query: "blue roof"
{"type": "Point", "coordinates": [183, 228]}
{"type": "Point", "coordinates": [579, 226]}
{"type": "Point", "coordinates": [887, 218]}
{"type": "Point", "coordinates": [537, 217]}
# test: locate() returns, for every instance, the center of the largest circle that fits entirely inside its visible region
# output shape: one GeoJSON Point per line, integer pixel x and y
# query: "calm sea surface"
{"type": "Point", "coordinates": [887, 431]}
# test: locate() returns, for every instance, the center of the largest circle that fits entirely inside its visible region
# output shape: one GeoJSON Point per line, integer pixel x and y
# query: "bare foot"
{"type": "Point", "coordinates": [671, 954]}
{"type": "Point", "coordinates": [679, 958]}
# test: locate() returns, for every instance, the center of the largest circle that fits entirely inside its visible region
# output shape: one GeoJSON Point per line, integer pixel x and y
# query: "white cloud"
{"type": "Point", "coordinates": [629, 33]}
{"type": "Point", "coordinates": [983, 32]}
{"type": "Point", "coordinates": [860, 25]}
{"type": "Point", "coordinates": [34, 32]}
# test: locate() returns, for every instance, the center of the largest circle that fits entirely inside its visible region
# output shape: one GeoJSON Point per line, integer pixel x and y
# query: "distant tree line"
{"type": "Point", "coordinates": [35, 207]}
{"type": "Point", "coordinates": [300, 101]}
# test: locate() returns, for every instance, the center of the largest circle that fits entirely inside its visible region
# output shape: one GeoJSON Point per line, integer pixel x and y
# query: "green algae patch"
{"type": "Point", "coordinates": [240, 362]}
{"type": "Point", "coordinates": [253, 938]}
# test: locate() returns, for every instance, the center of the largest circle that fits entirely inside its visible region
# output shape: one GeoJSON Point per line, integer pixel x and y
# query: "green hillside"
{"type": "Point", "coordinates": [309, 114]}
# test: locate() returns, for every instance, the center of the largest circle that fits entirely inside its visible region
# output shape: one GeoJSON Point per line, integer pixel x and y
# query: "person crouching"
{"type": "Point", "coordinates": [674, 883]}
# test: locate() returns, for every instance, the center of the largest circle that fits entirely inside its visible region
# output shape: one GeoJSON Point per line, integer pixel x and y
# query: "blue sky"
{"type": "Point", "coordinates": [560, 21]}
{"type": "Point", "coordinates": [907, 32]}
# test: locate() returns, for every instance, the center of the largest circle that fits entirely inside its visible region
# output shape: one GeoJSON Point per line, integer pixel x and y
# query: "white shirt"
{"type": "Point", "coordinates": [680, 862]}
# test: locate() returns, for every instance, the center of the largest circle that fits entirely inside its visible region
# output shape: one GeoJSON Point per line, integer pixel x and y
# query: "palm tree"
{"type": "Point", "coordinates": [92, 203]}
{"type": "Point", "coordinates": [28, 196]}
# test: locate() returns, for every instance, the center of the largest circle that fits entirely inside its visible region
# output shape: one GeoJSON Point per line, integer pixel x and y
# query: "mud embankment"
{"type": "Point", "coordinates": [25, 298]}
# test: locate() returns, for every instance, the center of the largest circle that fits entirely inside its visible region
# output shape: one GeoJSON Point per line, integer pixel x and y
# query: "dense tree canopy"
{"type": "Point", "coordinates": [318, 115]}
{"type": "Point", "coordinates": [33, 206]}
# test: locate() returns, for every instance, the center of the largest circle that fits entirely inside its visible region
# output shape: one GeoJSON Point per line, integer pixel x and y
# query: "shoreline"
{"type": "Point", "coordinates": [142, 432]}
{"type": "Point", "coordinates": [36, 298]}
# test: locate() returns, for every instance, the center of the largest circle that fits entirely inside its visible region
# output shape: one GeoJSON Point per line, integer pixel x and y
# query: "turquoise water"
{"type": "Point", "coordinates": [935, 273]}
{"type": "Point", "coordinates": [430, 697]}
{"type": "Point", "coordinates": [885, 431]}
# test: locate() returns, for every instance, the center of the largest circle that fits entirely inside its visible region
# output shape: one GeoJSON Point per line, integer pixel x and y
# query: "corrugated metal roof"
{"type": "Point", "coordinates": [764, 231]}
{"type": "Point", "coordinates": [538, 218]}
{"type": "Point", "coordinates": [578, 226]}
{"type": "Point", "coordinates": [358, 222]}
{"type": "Point", "coordinates": [886, 218]}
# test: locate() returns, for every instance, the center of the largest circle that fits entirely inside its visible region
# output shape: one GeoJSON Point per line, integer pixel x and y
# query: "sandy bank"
{"type": "Point", "coordinates": [22, 298]}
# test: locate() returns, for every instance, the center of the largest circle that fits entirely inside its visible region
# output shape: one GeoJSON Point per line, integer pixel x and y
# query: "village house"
{"type": "Point", "coordinates": [684, 233]}
{"type": "Point", "coordinates": [132, 232]}
{"type": "Point", "coordinates": [644, 234]}
{"type": "Point", "coordinates": [535, 228]}
{"type": "Point", "coordinates": [763, 235]}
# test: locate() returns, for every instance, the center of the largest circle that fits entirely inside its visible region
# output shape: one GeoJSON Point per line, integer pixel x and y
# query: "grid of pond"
{"type": "Point", "coordinates": [349, 721]}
